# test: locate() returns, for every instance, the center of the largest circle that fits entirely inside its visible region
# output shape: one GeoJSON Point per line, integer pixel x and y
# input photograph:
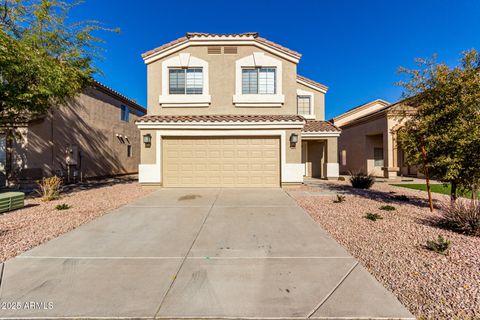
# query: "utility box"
{"type": "Point", "coordinates": [11, 200]}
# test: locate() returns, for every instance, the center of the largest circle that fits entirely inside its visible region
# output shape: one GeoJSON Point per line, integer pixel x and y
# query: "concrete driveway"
{"type": "Point", "coordinates": [193, 253]}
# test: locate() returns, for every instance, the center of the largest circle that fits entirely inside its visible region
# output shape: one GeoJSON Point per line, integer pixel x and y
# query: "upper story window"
{"type": "Point", "coordinates": [258, 80]}
{"type": "Point", "coordinates": [185, 81]}
{"type": "Point", "coordinates": [304, 105]}
{"type": "Point", "coordinates": [124, 114]}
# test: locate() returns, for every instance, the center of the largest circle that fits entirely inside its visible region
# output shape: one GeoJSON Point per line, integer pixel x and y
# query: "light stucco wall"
{"type": "Point", "coordinates": [90, 122]}
{"type": "Point", "coordinates": [222, 85]}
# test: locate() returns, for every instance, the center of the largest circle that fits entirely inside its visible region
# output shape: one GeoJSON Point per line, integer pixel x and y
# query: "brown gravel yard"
{"type": "Point", "coordinates": [430, 285]}
{"type": "Point", "coordinates": [23, 229]}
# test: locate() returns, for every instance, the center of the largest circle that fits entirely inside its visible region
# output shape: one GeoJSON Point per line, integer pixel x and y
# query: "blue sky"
{"type": "Point", "coordinates": [354, 47]}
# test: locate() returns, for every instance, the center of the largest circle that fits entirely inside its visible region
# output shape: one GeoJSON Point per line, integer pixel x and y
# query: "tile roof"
{"type": "Point", "coordinates": [190, 35]}
{"type": "Point", "coordinates": [100, 86]}
{"type": "Point", "coordinates": [320, 126]}
{"type": "Point", "coordinates": [302, 78]}
{"type": "Point", "coordinates": [223, 118]}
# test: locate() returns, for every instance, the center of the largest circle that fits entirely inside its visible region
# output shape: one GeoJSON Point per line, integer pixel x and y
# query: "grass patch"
{"type": "Point", "coordinates": [373, 216]}
{"type": "Point", "coordinates": [436, 188]}
{"type": "Point", "coordinates": [62, 206]}
{"type": "Point", "coordinates": [387, 208]}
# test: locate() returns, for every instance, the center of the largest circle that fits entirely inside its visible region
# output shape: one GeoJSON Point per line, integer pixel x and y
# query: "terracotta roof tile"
{"type": "Point", "coordinates": [223, 118]}
{"type": "Point", "coordinates": [189, 35]}
{"type": "Point", "coordinates": [118, 95]}
{"type": "Point", "coordinates": [320, 126]}
{"type": "Point", "coordinates": [302, 78]}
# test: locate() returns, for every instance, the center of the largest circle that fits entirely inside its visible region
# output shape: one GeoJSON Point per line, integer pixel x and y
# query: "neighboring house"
{"type": "Point", "coordinates": [94, 135]}
{"type": "Point", "coordinates": [369, 143]}
{"type": "Point", "coordinates": [231, 110]}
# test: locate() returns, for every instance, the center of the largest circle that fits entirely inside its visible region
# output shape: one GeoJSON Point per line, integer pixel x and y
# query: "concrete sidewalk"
{"type": "Point", "coordinates": [196, 253]}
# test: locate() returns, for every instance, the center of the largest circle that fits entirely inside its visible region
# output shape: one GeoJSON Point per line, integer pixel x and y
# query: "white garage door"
{"type": "Point", "coordinates": [221, 162]}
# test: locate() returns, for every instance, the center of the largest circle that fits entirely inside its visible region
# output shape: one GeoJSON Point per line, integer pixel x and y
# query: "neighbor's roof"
{"type": "Point", "coordinates": [222, 118]}
{"type": "Point", "coordinates": [219, 36]}
{"type": "Point", "coordinates": [320, 126]}
{"type": "Point", "coordinates": [118, 95]}
{"type": "Point", "coordinates": [362, 107]}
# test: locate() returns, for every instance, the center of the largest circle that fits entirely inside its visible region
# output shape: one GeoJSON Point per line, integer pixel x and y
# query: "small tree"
{"type": "Point", "coordinates": [446, 122]}
{"type": "Point", "coordinates": [44, 60]}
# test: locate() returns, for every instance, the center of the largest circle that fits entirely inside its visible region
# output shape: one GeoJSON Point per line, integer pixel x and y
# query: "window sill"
{"type": "Point", "coordinates": [188, 100]}
{"type": "Point", "coordinates": [308, 117]}
{"type": "Point", "coordinates": [258, 100]}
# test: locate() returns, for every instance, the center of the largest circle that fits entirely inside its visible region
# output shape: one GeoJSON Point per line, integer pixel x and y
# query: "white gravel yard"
{"type": "Point", "coordinates": [23, 229]}
{"type": "Point", "coordinates": [429, 284]}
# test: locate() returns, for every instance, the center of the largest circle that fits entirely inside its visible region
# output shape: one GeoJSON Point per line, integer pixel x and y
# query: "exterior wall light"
{"type": "Point", "coordinates": [293, 140]}
{"type": "Point", "coordinates": [147, 140]}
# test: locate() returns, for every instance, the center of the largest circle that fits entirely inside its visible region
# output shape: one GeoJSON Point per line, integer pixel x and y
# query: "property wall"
{"type": "Point", "coordinates": [90, 124]}
{"type": "Point", "coordinates": [221, 84]}
{"type": "Point", "coordinates": [353, 142]}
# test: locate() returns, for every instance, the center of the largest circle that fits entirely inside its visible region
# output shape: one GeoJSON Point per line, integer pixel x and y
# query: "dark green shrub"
{"type": "Point", "coordinates": [441, 245]}
{"type": "Point", "coordinates": [462, 216]}
{"type": "Point", "coordinates": [340, 198]}
{"type": "Point", "coordinates": [362, 181]}
{"type": "Point", "coordinates": [387, 208]}
{"type": "Point", "coordinates": [62, 206]}
{"type": "Point", "coordinates": [373, 216]}
{"type": "Point", "coordinates": [401, 197]}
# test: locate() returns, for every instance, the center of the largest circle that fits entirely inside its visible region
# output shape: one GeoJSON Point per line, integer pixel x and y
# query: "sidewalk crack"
{"type": "Point", "coordinates": [186, 255]}
{"type": "Point", "coordinates": [333, 290]}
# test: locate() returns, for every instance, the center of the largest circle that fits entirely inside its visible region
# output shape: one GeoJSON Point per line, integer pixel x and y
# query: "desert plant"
{"type": "Point", "coordinates": [49, 188]}
{"type": "Point", "coordinates": [62, 206]}
{"type": "Point", "coordinates": [340, 198]}
{"type": "Point", "coordinates": [361, 181]}
{"type": "Point", "coordinates": [401, 197]}
{"type": "Point", "coordinates": [387, 208]}
{"type": "Point", "coordinates": [341, 178]}
{"type": "Point", "coordinates": [463, 216]}
{"type": "Point", "coordinates": [373, 216]}
{"type": "Point", "coordinates": [440, 245]}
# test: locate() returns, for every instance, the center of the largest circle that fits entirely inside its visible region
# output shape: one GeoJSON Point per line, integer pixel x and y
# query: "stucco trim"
{"type": "Point", "coordinates": [307, 84]}
{"type": "Point", "coordinates": [319, 135]}
{"type": "Point", "coordinates": [220, 125]}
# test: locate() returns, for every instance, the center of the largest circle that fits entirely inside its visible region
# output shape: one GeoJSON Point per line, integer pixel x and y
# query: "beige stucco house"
{"type": "Point", "coordinates": [230, 110]}
{"type": "Point", "coordinates": [368, 142]}
{"type": "Point", "coordinates": [94, 135]}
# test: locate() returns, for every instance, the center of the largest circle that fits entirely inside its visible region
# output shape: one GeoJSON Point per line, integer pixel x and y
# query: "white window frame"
{"type": "Point", "coordinates": [310, 116]}
{"type": "Point", "coordinates": [184, 60]}
{"type": "Point", "coordinates": [258, 60]}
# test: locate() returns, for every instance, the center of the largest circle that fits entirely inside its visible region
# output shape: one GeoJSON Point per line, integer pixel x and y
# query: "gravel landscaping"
{"type": "Point", "coordinates": [430, 285]}
{"type": "Point", "coordinates": [38, 222]}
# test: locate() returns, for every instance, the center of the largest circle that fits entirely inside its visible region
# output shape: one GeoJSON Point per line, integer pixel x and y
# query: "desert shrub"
{"type": "Point", "coordinates": [373, 216]}
{"type": "Point", "coordinates": [462, 216]}
{"type": "Point", "coordinates": [340, 198]}
{"type": "Point", "coordinates": [401, 197]}
{"type": "Point", "coordinates": [387, 208]}
{"type": "Point", "coordinates": [361, 181]}
{"type": "Point", "coordinates": [440, 245]}
{"type": "Point", "coordinates": [341, 178]}
{"type": "Point", "coordinates": [62, 206]}
{"type": "Point", "coordinates": [49, 188]}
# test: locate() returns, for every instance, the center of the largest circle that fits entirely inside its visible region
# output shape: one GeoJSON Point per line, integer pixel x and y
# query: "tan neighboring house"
{"type": "Point", "coordinates": [368, 142]}
{"type": "Point", "coordinates": [94, 135]}
{"type": "Point", "coordinates": [230, 110]}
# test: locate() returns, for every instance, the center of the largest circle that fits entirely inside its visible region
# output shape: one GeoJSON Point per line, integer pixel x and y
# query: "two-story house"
{"type": "Point", "coordinates": [230, 110]}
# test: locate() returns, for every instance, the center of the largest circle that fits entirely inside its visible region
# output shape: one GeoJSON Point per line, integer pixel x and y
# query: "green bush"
{"type": "Point", "coordinates": [373, 216]}
{"type": "Point", "coordinates": [462, 216]}
{"type": "Point", "coordinates": [340, 198]}
{"type": "Point", "coordinates": [361, 181]}
{"type": "Point", "coordinates": [401, 197]}
{"type": "Point", "coordinates": [387, 208]}
{"type": "Point", "coordinates": [62, 206]}
{"type": "Point", "coordinates": [441, 245]}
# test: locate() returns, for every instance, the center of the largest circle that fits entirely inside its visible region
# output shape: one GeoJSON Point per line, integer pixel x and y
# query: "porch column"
{"type": "Point", "coordinates": [331, 167]}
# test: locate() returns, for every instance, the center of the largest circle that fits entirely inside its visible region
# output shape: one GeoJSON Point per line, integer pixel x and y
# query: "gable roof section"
{"type": "Point", "coordinates": [362, 107]}
{"type": "Point", "coordinates": [313, 84]}
{"type": "Point", "coordinates": [201, 38]}
{"type": "Point", "coordinates": [117, 95]}
{"type": "Point", "coordinates": [320, 126]}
